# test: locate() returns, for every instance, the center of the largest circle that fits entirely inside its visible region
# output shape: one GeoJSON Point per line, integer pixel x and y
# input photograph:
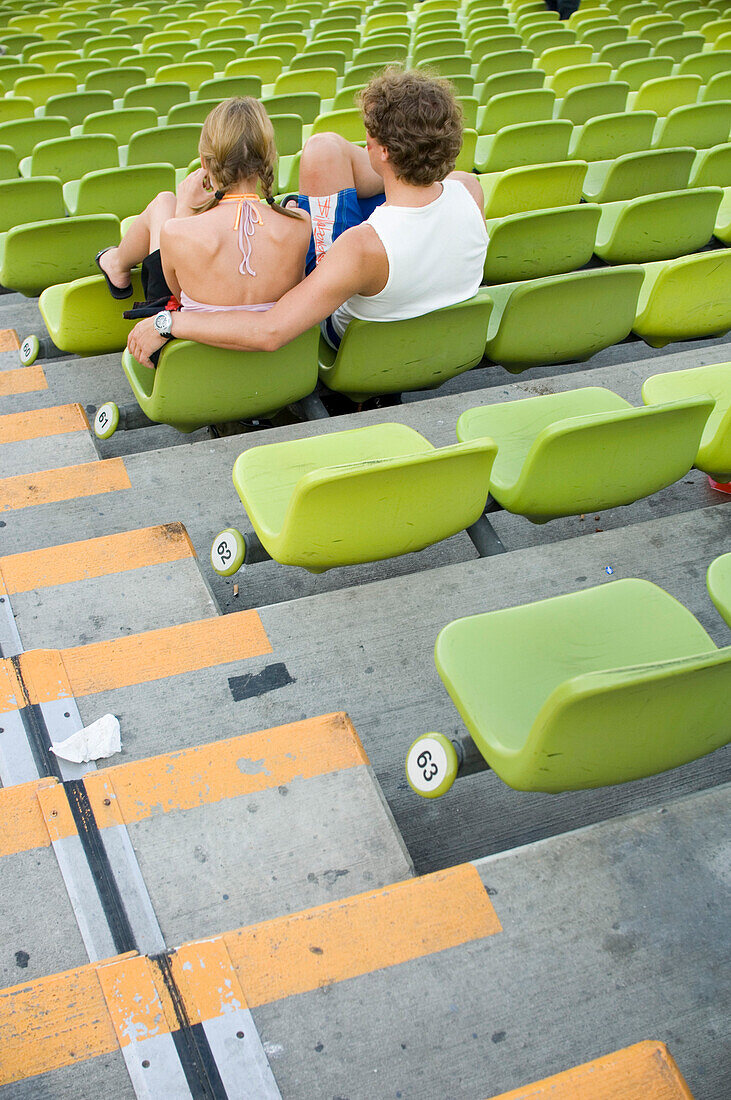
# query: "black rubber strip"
{"type": "Point", "coordinates": [98, 860]}
{"type": "Point", "coordinates": [36, 730]}
{"type": "Point", "coordinates": [252, 684]}
{"type": "Point", "coordinates": [191, 1043]}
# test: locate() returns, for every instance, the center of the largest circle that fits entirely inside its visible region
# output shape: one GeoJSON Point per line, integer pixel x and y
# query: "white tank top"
{"type": "Point", "coordinates": [436, 256]}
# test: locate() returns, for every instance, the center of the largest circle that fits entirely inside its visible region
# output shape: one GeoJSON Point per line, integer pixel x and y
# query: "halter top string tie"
{"type": "Point", "coordinates": [247, 216]}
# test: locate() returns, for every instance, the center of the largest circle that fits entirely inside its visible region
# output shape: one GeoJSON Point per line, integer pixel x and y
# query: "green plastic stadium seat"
{"type": "Point", "coordinates": [525, 143]}
{"type": "Point", "coordinates": [361, 495]}
{"type": "Point", "coordinates": [151, 62]}
{"type": "Point", "coordinates": [511, 108]}
{"type": "Point", "coordinates": [637, 72]}
{"type": "Point", "coordinates": [706, 65]}
{"type": "Point", "coordinates": [718, 581]}
{"type": "Point", "coordinates": [178, 144]}
{"type": "Point", "coordinates": [420, 353]}
{"type": "Point", "coordinates": [541, 242]}
{"type": "Point", "coordinates": [195, 385]}
{"type": "Point", "coordinates": [599, 37]}
{"type": "Point", "coordinates": [536, 187]}
{"type": "Point", "coordinates": [636, 174]}
{"type": "Point", "coordinates": [714, 453]}
{"type": "Point", "coordinates": [609, 136]}
{"type": "Point", "coordinates": [712, 167]}
{"type": "Point", "coordinates": [54, 60]}
{"type": "Point", "coordinates": [718, 87]}
{"type": "Point", "coordinates": [321, 81]}
{"type": "Point", "coordinates": [665, 93]}
{"type": "Point", "coordinates": [8, 163]}
{"type": "Point", "coordinates": [117, 81]}
{"type": "Point", "coordinates": [575, 76]}
{"type": "Point", "coordinates": [218, 56]}
{"type": "Point", "coordinates": [41, 254]}
{"type": "Point", "coordinates": [67, 307]}
{"type": "Point", "coordinates": [120, 191]}
{"type": "Point", "coordinates": [15, 108]}
{"type": "Point", "coordinates": [508, 61]}
{"type": "Point", "coordinates": [585, 450]}
{"type": "Point", "coordinates": [224, 87]}
{"type": "Point", "coordinates": [515, 81]}
{"type": "Point", "coordinates": [304, 104]}
{"type": "Point", "coordinates": [714, 30]}
{"type": "Point", "coordinates": [30, 200]}
{"type": "Point", "coordinates": [161, 97]}
{"type": "Point", "coordinates": [659, 32]}
{"type": "Point", "coordinates": [679, 47]}
{"type": "Point", "coordinates": [561, 318]}
{"type": "Point", "coordinates": [561, 57]}
{"type": "Point", "coordinates": [78, 105]}
{"type": "Point", "coordinates": [324, 59]}
{"type": "Point", "coordinates": [69, 157]}
{"type": "Point", "coordinates": [41, 87]}
{"type": "Point", "coordinates": [287, 134]}
{"type": "Point", "coordinates": [121, 123]}
{"type": "Point", "coordinates": [685, 299]}
{"type": "Point", "coordinates": [285, 51]}
{"type": "Point", "coordinates": [624, 683]}
{"type": "Point", "coordinates": [542, 40]}
{"type": "Point", "coordinates": [593, 101]}
{"type": "Point", "coordinates": [267, 69]}
{"type": "Point", "coordinates": [657, 227]}
{"type": "Point", "coordinates": [700, 125]}
{"type": "Point", "coordinates": [191, 73]}
{"type": "Point", "coordinates": [347, 123]}
{"type": "Point", "coordinates": [616, 53]}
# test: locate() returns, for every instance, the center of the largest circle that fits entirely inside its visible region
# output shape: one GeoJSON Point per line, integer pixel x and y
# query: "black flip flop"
{"type": "Point", "coordinates": [118, 292]}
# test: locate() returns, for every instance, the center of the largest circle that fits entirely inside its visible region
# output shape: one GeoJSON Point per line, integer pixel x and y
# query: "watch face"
{"type": "Point", "coordinates": [162, 323]}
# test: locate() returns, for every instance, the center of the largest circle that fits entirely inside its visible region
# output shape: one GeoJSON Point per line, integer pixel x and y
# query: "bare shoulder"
{"type": "Point", "coordinates": [471, 182]}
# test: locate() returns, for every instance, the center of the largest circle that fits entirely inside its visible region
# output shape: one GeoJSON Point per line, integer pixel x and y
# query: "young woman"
{"type": "Point", "coordinates": [238, 252]}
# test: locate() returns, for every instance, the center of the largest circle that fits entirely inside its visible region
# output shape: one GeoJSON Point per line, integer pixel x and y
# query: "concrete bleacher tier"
{"type": "Point", "coordinates": [250, 900]}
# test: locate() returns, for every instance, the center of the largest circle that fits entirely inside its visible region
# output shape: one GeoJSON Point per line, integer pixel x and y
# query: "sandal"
{"type": "Point", "coordinates": [117, 292]}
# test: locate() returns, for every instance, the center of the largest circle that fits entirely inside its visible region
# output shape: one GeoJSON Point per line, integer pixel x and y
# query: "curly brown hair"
{"type": "Point", "coordinates": [416, 117]}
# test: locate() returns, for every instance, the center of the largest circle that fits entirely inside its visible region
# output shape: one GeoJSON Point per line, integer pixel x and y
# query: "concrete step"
{"type": "Point", "coordinates": [145, 855]}
{"type": "Point", "coordinates": [44, 439]}
{"type": "Point", "coordinates": [100, 588]}
{"type": "Point", "coordinates": [460, 983]}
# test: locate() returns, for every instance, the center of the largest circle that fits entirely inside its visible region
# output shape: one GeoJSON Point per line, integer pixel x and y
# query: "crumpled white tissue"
{"type": "Point", "coordinates": [98, 740]}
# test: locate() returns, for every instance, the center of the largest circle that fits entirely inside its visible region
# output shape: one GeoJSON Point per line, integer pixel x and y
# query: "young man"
{"type": "Point", "coordinates": [421, 249]}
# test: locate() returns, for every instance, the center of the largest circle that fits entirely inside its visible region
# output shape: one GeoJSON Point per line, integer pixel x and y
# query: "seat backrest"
{"type": "Point", "coordinates": [706, 65]}
{"type": "Point", "coordinates": [611, 135]}
{"type": "Point", "coordinates": [608, 459]}
{"type": "Point", "coordinates": [535, 187]}
{"type": "Point", "coordinates": [694, 291]}
{"type": "Point", "coordinates": [401, 504]}
{"type": "Point", "coordinates": [377, 357]}
{"type": "Point", "coordinates": [700, 125]}
{"type": "Point", "coordinates": [509, 108]}
{"type": "Point", "coordinates": [712, 167]}
{"type": "Point", "coordinates": [348, 123]}
{"type": "Point", "coordinates": [643, 720]}
{"type": "Point", "coordinates": [573, 76]}
{"type": "Point", "coordinates": [642, 69]}
{"type": "Point", "coordinates": [592, 100]}
{"type": "Point", "coordinates": [161, 97]}
{"type": "Point", "coordinates": [116, 81]}
{"type": "Point", "coordinates": [636, 174]}
{"type": "Point", "coordinates": [178, 144]}
{"type": "Point", "coordinates": [68, 158]}
{"type": "Point", "coordinates": [121, 124]}
{"type": "Point", "coordinates": [29, 200]}
{"type": "Point", "coordinates": [78, 105]}
{"type": "Point", "coordinates": [662, 94]}
{"type": "Point", "coordinates": [322, 81]}
{"type": "Point", "coordinates": [559, 57]}
{"type": "Point", "coordinates": [224, 87]}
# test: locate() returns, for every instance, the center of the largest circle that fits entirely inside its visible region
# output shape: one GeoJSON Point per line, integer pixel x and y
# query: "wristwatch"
{"type": "Point", "coordinates": [163, 323]}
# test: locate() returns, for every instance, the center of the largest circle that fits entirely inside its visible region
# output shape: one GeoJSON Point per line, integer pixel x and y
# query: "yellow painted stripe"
{"type": "Point", "coordinates": [18, 427]}
{"type": "Point", "coordinates": [207, 981]}
{"type": "Point", "coordinates": [51, 486]}
{"type": "Point", "coordinates": [44, 676]}
{"type": "Point", "coordinates": [24, 380]}
{"type": "Point", "coordinates": [57, 815]}
{"type": "Point", "coordinates": [53, 1022]}
{"type": "Point", "coordinates": [343, 939]}
{"type": "Point", "coordinates": [645, 1071]}
{"type": "Point", "coordinates": [11, 692]}
{"type": "Point", "coordinates": [76, 561]}
{"type": "Point", "coordinates": [224, 769]}
{"type": "Point", "coordinates": [139, 1006]}
{"type": "Point", "coordinates": [23, 827]}
{"type": "Point", "coordinates": [9, 340]}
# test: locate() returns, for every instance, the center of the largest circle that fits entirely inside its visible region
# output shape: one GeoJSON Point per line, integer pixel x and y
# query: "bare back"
{"type": "Point", "coordinates": [201, 254]}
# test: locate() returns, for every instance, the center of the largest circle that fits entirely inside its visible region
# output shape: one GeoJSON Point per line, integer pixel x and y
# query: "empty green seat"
{"type": "Point", "coordinates": [178, 144]}
{"type": "Point", "coordinates": [561, 318]}
{"type": "Point", "coordinates": [121, 123]}
{"type": "Point", "coordinates": [267, 69]}
{"type": "Point", "coordinates": [194, 385]}
{"type": "Point", "coordinates": [196, 110]}
{"type": "Point", "coordinates": [324, 59]}
{"type": "Point", "coordinates": [117, 81]}
{"type": "Point", "coordinates": [77, 105]}
{"type": "Point", "coordinates": [636, 174]}
{"type": "Point", "coordinates": [623, 683]}
{"type": "Point", "coordinates": [714, 452]}
{"type": "Point", "coordinates": [347, 123]}
{"type": "Point", "coordinates": [535, 187]}
{"type": "Point", "coordinates": [685, 299]}
{"type": "Point", "coordinates": [657, 227]}
{"type": "Point", "coordinates": [161, 97]}
{"type": "Point", "coordinates": [224, 87]}
{"type": "Point", "coordinates": [706, 65]}
{"type": "Point", "coordinates": [718, 582]}
{"type": "Point", "coordinates": [41, 254]}
{"type": "Point", "coordinates": [584, 450]}
{"type": "Point", "coordinates": [680, 46]}
{"type": "Point", "coordinates": [616, 53]}
{"type": "Point", "coordinates": [525, 143]}
{"type": "Point", "coordinates": [14, 108]}
{"type": "Point", "coordinates": [66, 308]}
{"type": "Point", "coordinates": [515, 80]}
{"type": "Point", "coordinates": [304, 104]}
{"type": "Point", "coordinates": [593, 100]}
{"type": "Point", "coordinates": [638, 71]}
{"type": "Point", "coordinates": [419, 353]}
{"type": "Point", "coordinates": [507, 61]}
{"type": "Point", "coordinates": [321, 81]}
{"type": "Point", "coordinates": [665, 93]}
{"type": "Point", "coordinates": [699, 125]}
{"type": "Point", "coordinates": [8, 163]}
{"type": "Point", "coordinates": [69, 157]}
{"type": "Point", "coordinates": [361, 495]}
{"type": "Point", "coordinates": [712, 167]}
{"type": "Point", "coordinates": [41, 87]}
{"type": "Point", "coordinates": [512, 108]}
{"type": "Point", "coordinates": [119, 191]}
{"type": "Point", "coordinates": [718, 87]}
{"type": "Point", "coordinates": [191, 73]}
{"type": "Point", "coordinates": [574, 76]}
{"type": "Point", "coordinates": [560, 57]}
{"type": "Point", "coordinates": [540, 242]}
{"type": "Point", "coordinates": [218, 56]}
{"type": "Point", "coordinates": [30, 200]}
{"type": "Point", "coordinates": [612, 135]}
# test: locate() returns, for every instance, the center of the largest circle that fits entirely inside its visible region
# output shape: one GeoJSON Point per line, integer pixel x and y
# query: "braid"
{"type": "Point", "coordinates": [266, 176]}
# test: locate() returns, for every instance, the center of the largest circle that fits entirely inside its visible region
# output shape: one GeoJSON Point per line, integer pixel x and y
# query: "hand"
{"type": "Point", "coordinates": [193, 191]}
{"type": "Point", "coordinates": [143, 340]}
